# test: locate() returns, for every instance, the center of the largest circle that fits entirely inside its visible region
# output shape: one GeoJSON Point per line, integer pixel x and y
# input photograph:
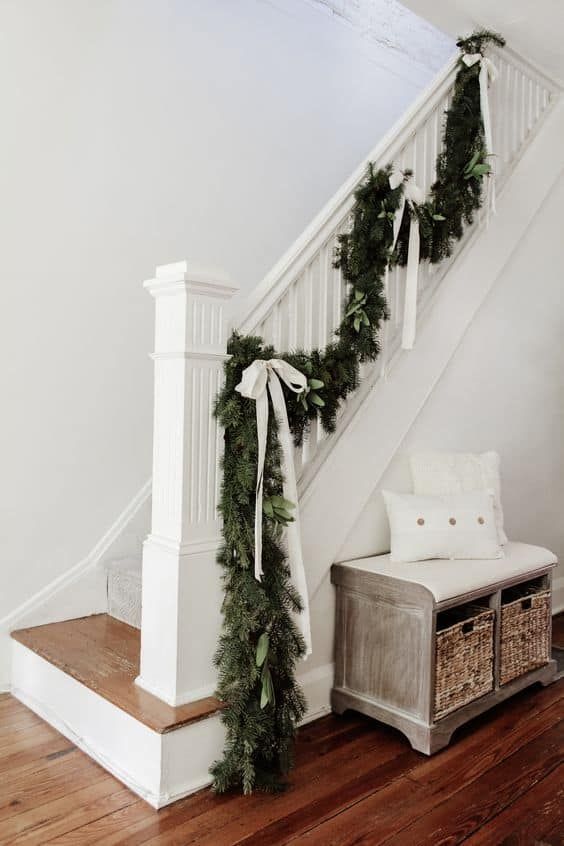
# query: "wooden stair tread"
{"type": "Point", "coordinates": [102, 653]}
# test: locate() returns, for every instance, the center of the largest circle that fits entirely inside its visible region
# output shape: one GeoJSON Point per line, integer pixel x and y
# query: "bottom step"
{"type": "Point", "coordinates": [79, 676]}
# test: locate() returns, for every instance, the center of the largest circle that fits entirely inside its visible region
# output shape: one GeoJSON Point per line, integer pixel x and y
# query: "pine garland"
{"type": "Point", "coordinates": [260, 644]}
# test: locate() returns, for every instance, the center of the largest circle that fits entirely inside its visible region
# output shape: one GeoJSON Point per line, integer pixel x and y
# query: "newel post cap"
{"type": "Point", "coordinates": [191, 277]}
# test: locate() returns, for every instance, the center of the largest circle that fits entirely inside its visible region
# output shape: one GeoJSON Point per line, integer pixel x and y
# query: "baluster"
{"type": "Point", "coordinates": [507, 113]}
{"type": "Point", "coordinates": [516, 114]}
{"type": "Point", "coordinates": [300, 314]}
{"type": "Point", "coordinates": [292, 316]}
{"type": "Point", "coordinates": [537, 101]}
{"type": "Point", "coordinates": [522, 110]}
{"type": "Point", "coordinates": [276, 328]}
{"type": "Point", "coordinates": [324, 258]}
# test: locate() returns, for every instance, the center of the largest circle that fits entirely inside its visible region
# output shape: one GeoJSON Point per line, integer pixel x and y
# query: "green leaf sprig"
{"type": "Point", "coordinates": [357, 311]}
{"type": "Point", "coordinates": [309, 395]}
{"type": "Point", "coordinates": [267, 695]}
{"type": "Point", "coordinates": [475, 168]}
{"type": "Point", "coordinates": [278, 509]}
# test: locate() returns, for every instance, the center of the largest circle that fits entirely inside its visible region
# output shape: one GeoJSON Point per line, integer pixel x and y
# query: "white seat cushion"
{"type": "Point", "coordinates": [448, 579]}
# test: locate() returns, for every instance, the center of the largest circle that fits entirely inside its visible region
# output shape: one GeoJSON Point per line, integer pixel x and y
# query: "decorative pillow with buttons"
{"type": "Point", "coordinates": [456, 526]}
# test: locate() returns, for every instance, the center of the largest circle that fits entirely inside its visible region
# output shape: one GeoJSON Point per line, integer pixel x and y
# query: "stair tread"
{"type": "Point", "coordinates": [102, 653]}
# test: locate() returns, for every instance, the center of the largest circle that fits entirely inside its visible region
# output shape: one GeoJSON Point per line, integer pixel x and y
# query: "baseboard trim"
{"type": "Point", "coordinates": [316, 685]}
{"type": "Point", "coordinates": [91, 560]}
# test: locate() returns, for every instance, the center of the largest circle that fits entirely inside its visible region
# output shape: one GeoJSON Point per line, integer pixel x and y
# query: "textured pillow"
{"type": "Point", "coordinates": [440, 473]}
{"type": "Point", "coordinates": [456, 526]}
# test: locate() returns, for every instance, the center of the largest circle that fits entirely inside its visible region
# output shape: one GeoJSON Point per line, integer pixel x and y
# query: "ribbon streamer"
{"type": "Point", "coordinates": [256, 379]}
{"type": "Point", "coordinates": [488, 73]}
{"type": "Point", "coordinates": [413, 195]}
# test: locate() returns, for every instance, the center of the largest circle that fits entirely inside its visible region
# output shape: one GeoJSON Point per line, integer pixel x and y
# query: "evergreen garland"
{"type": "Point", "coordinates": [260, 644]}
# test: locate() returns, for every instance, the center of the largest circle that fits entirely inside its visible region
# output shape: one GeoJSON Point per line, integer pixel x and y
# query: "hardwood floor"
{"type": "Point", "coordinates": [356, 782]}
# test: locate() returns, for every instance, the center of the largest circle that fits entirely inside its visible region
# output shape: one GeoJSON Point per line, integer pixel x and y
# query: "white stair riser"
{"type": "Point", "coordinates": [160, 768]}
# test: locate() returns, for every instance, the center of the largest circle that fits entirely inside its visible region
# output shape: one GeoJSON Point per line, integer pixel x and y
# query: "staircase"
{"type": "Point", "coordinates": [154, 722]}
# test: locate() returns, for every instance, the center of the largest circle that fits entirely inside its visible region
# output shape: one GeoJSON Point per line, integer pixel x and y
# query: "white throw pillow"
{"type": "Point", "coordinates": [440, 473]}
{"type": "Point", "coordinates": [456, 526]}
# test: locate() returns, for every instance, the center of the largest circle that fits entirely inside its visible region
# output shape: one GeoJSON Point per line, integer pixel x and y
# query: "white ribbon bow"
{"type": "Point", "coordinates": [254, 382]}
{"type": "Point", "coordinates": [488, 73]}
{"type": "Point", "coordinates": [413, 195]}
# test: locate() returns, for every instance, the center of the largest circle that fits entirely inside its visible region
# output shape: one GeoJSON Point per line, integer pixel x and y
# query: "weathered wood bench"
{"type": "Point", "coordinates": [387, 624]}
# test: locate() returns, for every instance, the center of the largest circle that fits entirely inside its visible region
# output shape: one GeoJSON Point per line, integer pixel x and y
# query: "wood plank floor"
{"type": "Point", "coordinates": [357, 782]}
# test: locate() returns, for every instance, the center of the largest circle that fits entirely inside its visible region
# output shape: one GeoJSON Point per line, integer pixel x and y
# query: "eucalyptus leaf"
{"type": "Point", "coordinates": [267, 507]}
{"type": "Point", "coordinates": [356, 324]}
{"type": "Point", "coordinates": [359, 295]}
{"type": "Point", "coordinates": [439, 217]}
{"type": "Point", "coordinates": [262, 649]}
{"type": "Point", "coordinates": [283, 516]}
{"type": "Point", "coordinates": [473, 161]}
{"type": "Point", "coordinates": [316, 383]}
{"type": "Point", "coordinates": [280, 502]}
{"type": "Point", "coordinates": [315, 399]}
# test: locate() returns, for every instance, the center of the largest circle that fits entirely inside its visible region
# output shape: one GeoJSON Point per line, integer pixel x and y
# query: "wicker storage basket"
{"type": "Point", "coordinates": [525, 632]}
{"type": "Point", "coordinates": [464, 658]}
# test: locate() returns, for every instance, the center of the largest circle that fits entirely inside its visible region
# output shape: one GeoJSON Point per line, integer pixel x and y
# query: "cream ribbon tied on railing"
{"type": "Point", "coordinates": [413, 195]}
{"type": "Point", "coordinates": [262, 376]}
{"type": "Point", "coordinates": [488, 73]}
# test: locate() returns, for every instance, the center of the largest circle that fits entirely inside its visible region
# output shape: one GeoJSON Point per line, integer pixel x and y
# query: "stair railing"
{"type": "Point", "coordinates": [299, 302]}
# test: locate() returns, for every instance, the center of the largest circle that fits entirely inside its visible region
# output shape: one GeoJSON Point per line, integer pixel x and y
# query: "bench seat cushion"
{"type": "Point", "coordinates": [448, 579]}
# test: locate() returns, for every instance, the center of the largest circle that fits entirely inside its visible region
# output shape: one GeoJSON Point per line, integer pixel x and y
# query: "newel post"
{"type": "Point", "coordinates": [181, 591]}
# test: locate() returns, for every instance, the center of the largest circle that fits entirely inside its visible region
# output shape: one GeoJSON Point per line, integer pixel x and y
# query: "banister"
{"type": "Point", "coordinates": [263, 297]}
{"type": "Point", "coordinates": [298, 303]}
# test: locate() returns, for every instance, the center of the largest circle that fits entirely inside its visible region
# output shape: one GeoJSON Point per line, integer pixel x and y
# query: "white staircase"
{"type": "Point", "coordinates": [298, 304]}
{"type": "Point", "coordinates": [177, 602]}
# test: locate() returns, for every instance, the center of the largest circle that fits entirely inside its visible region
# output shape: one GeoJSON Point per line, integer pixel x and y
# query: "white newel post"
{"type": "Point", "coordinates": [181, 591]}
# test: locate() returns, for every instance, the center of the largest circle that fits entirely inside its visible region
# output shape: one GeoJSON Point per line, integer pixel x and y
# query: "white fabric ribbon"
{"type": "Point", "coordinates": [488, 73]}
{"type": "Point", "coordinates": [256, 378]}
{"type": "Point", "coordinates": [413, 195]}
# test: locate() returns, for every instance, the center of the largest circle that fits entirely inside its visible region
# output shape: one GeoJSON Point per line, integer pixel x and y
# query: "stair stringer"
{"type": "Point", "coordinates": [337, 494]}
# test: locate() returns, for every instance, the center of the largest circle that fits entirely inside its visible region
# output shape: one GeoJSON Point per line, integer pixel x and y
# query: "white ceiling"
{"type": "Point", "coordinates": [534, 29]}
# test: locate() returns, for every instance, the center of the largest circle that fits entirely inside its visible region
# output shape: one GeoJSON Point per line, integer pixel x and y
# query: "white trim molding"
{"type": "Point", "coordinates": [90, 561]}
{"type": "Point", "coordinates": [78, 592]}
{"type": "Point", "coordinates": [558, 595]}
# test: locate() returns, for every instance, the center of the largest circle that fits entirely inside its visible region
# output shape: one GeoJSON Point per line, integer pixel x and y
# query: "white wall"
{"type": "Point", "coordinates": [137, 132]}
{"type": "Point", "coordinates": [502, 390]}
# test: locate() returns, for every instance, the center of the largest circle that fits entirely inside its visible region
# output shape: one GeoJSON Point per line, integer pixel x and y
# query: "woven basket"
{"type": "Point", "coordinates": [464, 660]}
{"type": "Point", "coordinates": [525, 634]}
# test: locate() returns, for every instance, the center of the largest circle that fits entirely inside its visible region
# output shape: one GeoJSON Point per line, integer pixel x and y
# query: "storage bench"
{"type": "Point", "coordinates": [426, 646]}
